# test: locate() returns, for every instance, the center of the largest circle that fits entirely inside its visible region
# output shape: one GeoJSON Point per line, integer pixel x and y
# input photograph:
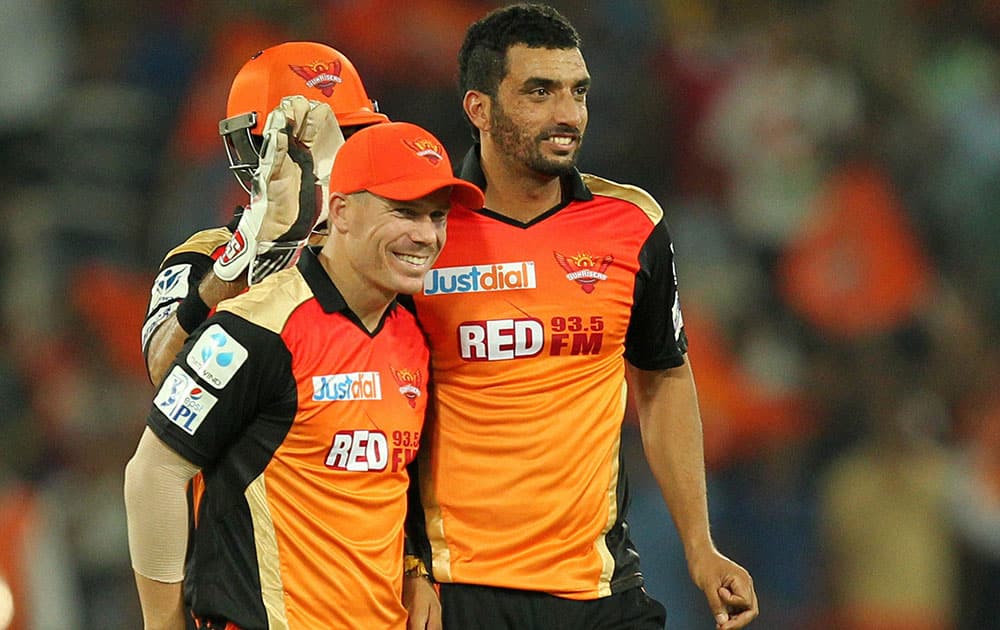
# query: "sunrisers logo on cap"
{"type": "Point", "coordinates": [427, 149]}
{"type": "Point", "coordinates": [322, 75]}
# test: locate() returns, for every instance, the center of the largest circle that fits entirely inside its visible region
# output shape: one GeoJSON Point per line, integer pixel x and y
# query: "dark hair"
{"type": "Point", "coordinates": [482, 60]}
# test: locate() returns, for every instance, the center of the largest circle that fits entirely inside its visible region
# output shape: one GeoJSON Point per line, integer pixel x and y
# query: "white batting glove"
{"type": "Point", "coordinates": [290, 190]}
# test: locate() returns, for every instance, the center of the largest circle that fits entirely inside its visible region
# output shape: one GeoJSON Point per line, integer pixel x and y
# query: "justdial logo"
{"type": "Point", "coordinates": [507, 276]}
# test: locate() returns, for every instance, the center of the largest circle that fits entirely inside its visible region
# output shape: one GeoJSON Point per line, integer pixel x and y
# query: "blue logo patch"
{"type": "Point", "coordinates": [183, 401]}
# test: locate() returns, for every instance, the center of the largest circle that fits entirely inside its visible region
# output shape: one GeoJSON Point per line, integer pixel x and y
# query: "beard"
{"type": "Point", "coordinates": [520, 146]}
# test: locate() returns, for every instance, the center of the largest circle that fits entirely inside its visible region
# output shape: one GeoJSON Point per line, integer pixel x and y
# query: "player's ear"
{"type": "Point", "coordinates": [477, 107]}
{"type": "Point", "coordinates": [339, 211]}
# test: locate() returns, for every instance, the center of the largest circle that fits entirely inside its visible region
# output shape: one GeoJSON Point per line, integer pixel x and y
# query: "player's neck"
{"type": "Point", "coordinates": [366, 301]}
{"type": "Point", "coordinates": [516, 191]}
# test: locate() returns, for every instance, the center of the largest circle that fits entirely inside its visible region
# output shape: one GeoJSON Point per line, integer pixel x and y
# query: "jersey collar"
{"type": "Point", "coordinates": [326, 292]}
{"type": "Point", "coordinates": [330, 299]}
{"type": "Point", "coordinates": [573, 188]}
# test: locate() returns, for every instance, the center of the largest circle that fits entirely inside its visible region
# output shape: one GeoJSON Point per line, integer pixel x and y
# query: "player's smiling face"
{"type": "Point", "coordinates": [396, 242]}
{"type": "Point", "coordinates": [540, 113]}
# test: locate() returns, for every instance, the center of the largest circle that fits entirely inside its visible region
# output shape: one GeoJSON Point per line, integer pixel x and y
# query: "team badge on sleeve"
{"type": "Point", "coordinates": [170, 285]}
{"type": "Point", "coordinates": [216, 356]}
{"type": "Point", "coordinates": [183, 401]}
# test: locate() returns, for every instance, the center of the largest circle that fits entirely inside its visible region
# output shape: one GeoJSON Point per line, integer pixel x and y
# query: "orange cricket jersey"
{"type": "Point", "coordinates": [529, 327]}
{"type": "Point", "coordinates": [303, 424]}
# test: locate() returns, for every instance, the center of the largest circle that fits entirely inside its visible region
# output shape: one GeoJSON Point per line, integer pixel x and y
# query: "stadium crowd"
{"type": "Point", "coordinates": [829, 173]}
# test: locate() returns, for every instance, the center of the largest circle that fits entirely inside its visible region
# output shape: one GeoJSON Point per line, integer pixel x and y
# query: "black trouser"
{"type": "Point", "coordinates": [467, 607]}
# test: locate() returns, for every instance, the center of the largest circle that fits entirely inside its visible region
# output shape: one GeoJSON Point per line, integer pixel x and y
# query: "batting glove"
{"type": "Point", "coordinates": [290, 190]}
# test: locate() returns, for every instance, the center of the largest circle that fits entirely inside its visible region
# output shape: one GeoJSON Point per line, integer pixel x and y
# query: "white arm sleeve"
{"type": "Point", "coordinates": [156, 508]}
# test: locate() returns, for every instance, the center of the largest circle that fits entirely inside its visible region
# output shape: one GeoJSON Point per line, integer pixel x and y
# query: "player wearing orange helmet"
{"type": "Point", "coordinates": [265, 235]}
{"type": "Point", "coordinates": [315, 71]}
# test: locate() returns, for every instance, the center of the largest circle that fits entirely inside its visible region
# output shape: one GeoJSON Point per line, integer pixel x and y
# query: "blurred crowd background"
{"type": "Point", "coordinates": [830, 171]}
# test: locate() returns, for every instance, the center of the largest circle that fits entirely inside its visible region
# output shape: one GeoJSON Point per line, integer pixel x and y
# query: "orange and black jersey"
{"type": "Point", "coordinates": [530, 326]}
{"type": "Point", "coordinates": [303, 424]}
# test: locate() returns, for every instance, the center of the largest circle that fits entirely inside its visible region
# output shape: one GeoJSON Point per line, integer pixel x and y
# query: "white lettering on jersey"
{"type": "Point", "coordinates": [216, 356]}
{"type": "Point", "coordinates": [352, 386]}
{"type": "Point", "coordinates": [500, 339]}
{"type": "Point", "coordinates": [183, 401]}
{"type": "Point", "coordinates": [170, 285]}
{"type": "Point", "coordinates": [480, 278]}
{"type": "Point", "coordinates": [359, 451]}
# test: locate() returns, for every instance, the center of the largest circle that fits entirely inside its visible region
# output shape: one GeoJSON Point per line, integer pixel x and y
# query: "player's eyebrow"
{"type": "Point", "coordinates": [532, 83]}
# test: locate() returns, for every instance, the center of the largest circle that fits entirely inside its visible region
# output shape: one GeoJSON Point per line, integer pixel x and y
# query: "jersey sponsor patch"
{"type": "Point", "coordinates": [500, 339]}
{"type": "Point", "coordinates": [151, 324]}
{"type": "Point", "coordinates": [170, 285]}
{"type": "Point", "coordinates": [216, 356]}
{"type": "Point", "coordinates": [344, 387]}
{"type": "Point", "coordinates": [183, 401]}
{"type": "Point", "coordinates": [509, 276]}
{"type": "Point", "coordinates": [358, 451]}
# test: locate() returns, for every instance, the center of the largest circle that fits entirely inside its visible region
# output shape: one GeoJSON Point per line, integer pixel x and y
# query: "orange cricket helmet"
{"type": "Point", "coordinates": [313, 70]}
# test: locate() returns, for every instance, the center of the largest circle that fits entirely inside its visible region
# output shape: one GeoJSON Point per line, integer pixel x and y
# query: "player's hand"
{"type": "Point", "coordinates": [322, 137]}
{"type": "Point", "coordinates": [728, 588]}
{"type": "Point", "coordinates": [289, 190]}
{"type": "Point", "coordinates": [422, 604]}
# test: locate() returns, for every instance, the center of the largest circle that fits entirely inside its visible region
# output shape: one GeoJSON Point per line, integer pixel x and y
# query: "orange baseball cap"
{"type": "Point", "coordinates": [399, 161]}
{"type": "Point", "coordinates": [314, 70]}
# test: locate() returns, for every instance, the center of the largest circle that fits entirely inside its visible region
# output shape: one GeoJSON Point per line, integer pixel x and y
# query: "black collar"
{"type": "Point", "coordinates": [326, 292]}
{"type": "Point", "coordinates": [330, 299]}
{"type": "Point", "coordinates": [573, 188]}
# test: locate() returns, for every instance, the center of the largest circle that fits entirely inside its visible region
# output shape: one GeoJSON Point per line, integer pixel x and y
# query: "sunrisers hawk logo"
{"type": "Point", "coordinates": [508, 276]}
{"type": "Point", "coordinates": [585, 269]}
{"type": "Point", "coordinates": [321, 75]}
{"type": "Point", "coordinates": [409, 383]}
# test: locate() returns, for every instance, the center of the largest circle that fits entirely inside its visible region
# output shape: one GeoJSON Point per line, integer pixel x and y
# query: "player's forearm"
{"type": "Point", "coordinates": [162, 604]}
{"type": "Point", "coordinates": [164, 345]}
{"type": "Point", "coordinates": [214, 289]}
{"type": "Point", "coordinates": [672, 440]}
{"type": "Point", "coordinates": [169, 338]}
